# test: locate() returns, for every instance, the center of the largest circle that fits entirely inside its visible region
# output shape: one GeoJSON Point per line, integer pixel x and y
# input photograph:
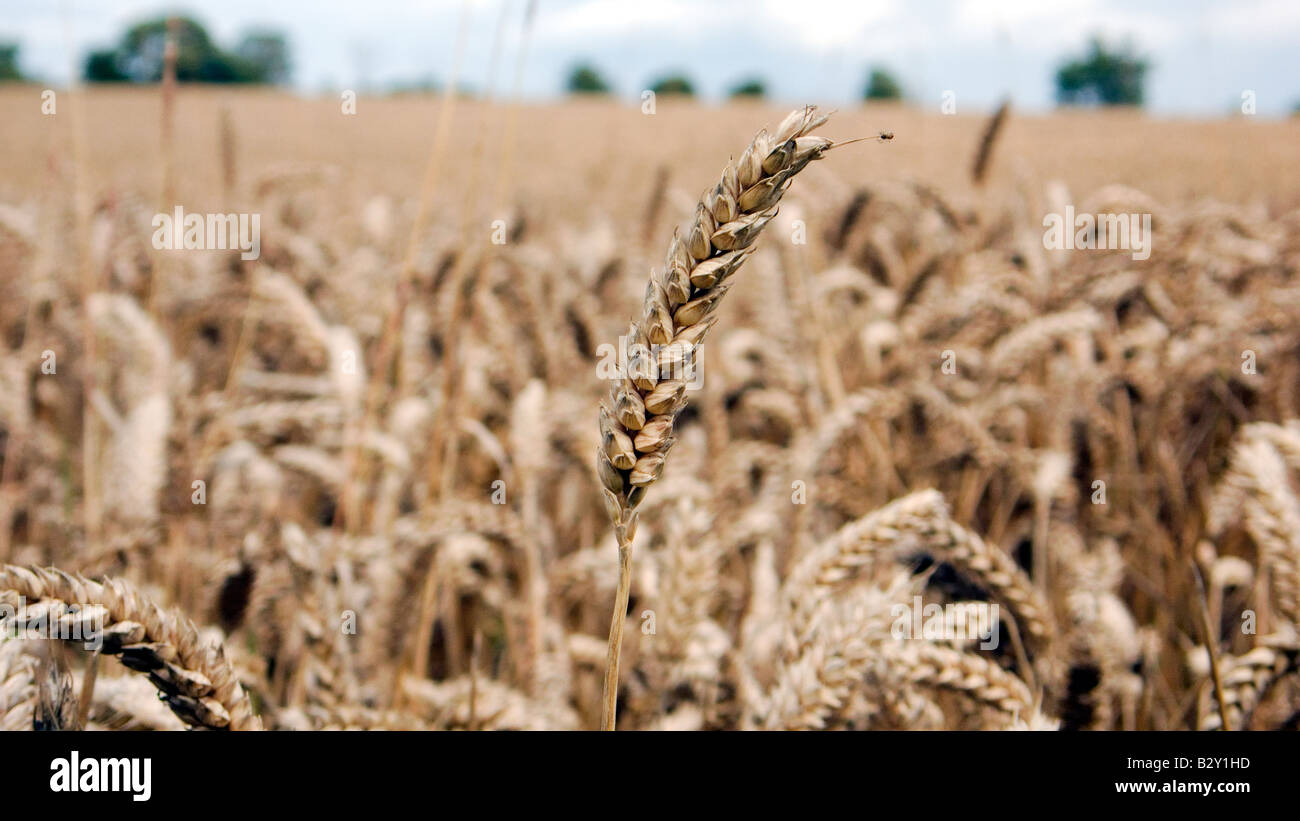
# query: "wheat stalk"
{"type": "Point", "coordinates": [680, 301]}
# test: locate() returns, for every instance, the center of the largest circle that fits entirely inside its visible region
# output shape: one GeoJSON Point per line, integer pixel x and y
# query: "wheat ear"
{"type": "Point", "coordinates": [1248, 678]}
{"type": "Point", "coordinates": [193, 677]}
{"type": "Point", "coordinates": [680, 301]}
{"type": "Point", "coordinates": [17, 685]}
{"type": "Point", "coordinates": [1005, 582]}
{"type": "Point", "coordinates": [987, 140]}
{"type": "Point", "coordinates": [982, 681]}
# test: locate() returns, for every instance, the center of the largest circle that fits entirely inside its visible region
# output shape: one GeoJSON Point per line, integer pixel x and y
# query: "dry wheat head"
{"type": "Point", "coordinates": [680, 301]}
{"type": "Point", "coordinates": [193, 678]}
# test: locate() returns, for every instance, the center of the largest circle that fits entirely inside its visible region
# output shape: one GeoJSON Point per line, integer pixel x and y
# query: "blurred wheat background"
{"type": "Point", "coordinates": [351, 484]}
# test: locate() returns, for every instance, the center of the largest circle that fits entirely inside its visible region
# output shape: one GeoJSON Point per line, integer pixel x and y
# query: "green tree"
{"type": "Point", "coordinates": [674, 84]}
{"type": "Point", "coordinates": [140, 53]}
{"type": "Point", "coordinates": [586, 79]}
{"type": "Point", "coordinates": [262, 57]}
{"type": "Point", "coordinates": [101, 67]}
{"type": "Point", "coordinates": [266, 54]}
{"type": "Point", "coordinates": [1105, 75]}
{"type": "Point", "coordinates": [427, 84]}
{"type": "Point", "coordinates": [881, 85]}
{"type": "Point", "coordinates": [9, 71]}
{"type": "Point", "coordinates": [753, 87]}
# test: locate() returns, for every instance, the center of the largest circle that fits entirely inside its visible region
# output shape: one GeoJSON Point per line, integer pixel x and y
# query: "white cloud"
{"type": "Point", "coordinates": [1030, 25]}
{"type": "Point", "coordinates": [618, 18]}
{"type": "Point", "coordinates": [1256, 22]}
{"type": "Point", "coordinates": [825, 25]}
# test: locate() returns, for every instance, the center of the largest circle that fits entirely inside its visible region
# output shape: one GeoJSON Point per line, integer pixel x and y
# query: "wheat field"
{"type": "Point", "coordinates": [384, 476]}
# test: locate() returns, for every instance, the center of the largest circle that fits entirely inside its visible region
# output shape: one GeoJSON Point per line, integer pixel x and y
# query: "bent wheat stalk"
{"type": "Point", "coordinates": [637, 422]}
{"type": "Point", "coordinates": [194, 678]}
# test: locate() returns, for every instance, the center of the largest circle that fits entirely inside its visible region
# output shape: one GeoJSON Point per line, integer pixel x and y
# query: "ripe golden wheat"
{"type": "Point", "coordinates": [391, 520]}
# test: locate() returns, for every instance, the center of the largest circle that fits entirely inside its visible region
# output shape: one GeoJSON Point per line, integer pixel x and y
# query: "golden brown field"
{"type": "Point", "coordinates": [353, 482]}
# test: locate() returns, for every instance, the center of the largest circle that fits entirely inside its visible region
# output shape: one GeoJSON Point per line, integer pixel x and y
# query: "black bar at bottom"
{"type": "Point", "coordinates": [299, 771]}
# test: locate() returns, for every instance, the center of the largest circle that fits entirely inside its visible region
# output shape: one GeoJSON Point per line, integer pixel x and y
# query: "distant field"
{"type": "Point", "coordinates": [612, 148]}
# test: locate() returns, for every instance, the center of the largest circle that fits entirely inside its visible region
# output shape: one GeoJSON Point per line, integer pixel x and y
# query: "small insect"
{"type": "Point", "coordinates": [885, 135]}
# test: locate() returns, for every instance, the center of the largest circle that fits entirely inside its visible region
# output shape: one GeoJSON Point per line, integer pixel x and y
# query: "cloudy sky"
{"type": "Point", "coordinates": [1204, 53]}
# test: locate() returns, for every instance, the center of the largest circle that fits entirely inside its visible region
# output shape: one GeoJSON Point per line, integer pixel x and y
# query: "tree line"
{"type": "Point", "coordinates": [1104, 74]}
